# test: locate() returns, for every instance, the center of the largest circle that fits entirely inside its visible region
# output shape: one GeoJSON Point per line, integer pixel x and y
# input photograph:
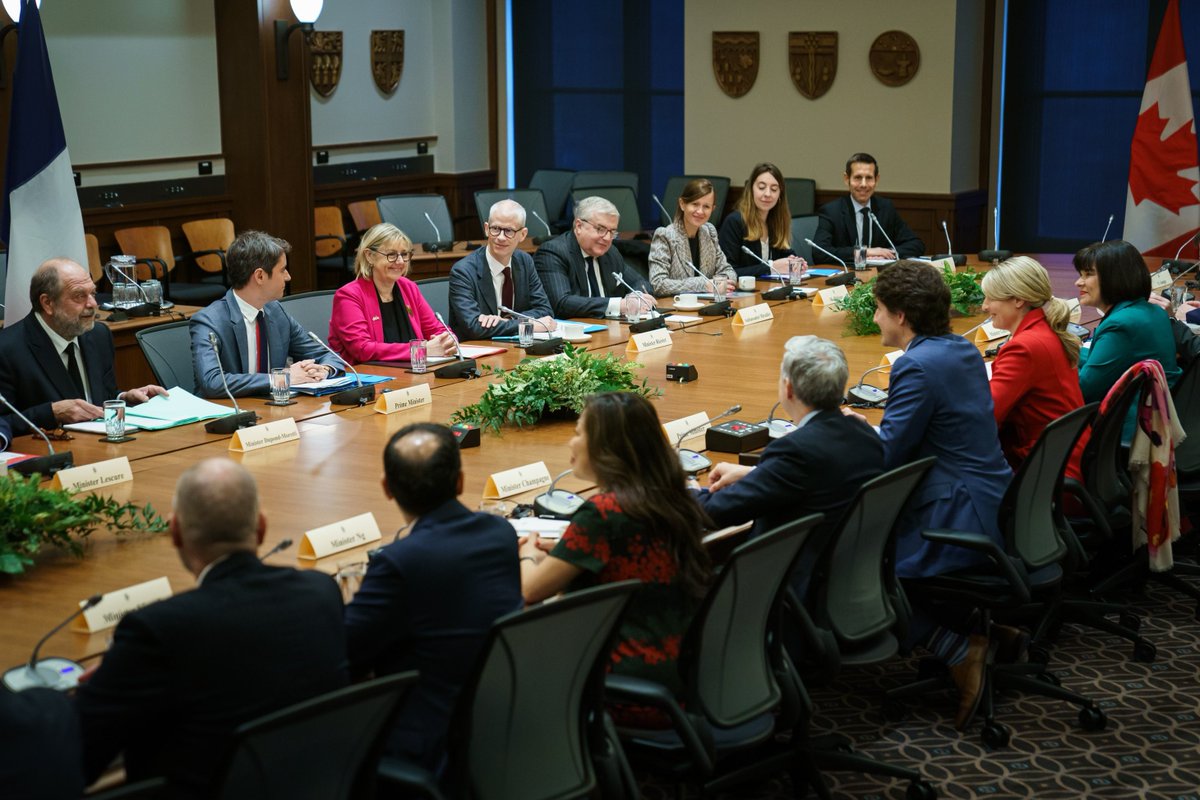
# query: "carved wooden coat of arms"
{"type": "Point", "coordinates": [325, 64]}
{"type": "Point", "coordinates": [387, 59]}
{"type": "Point", "coordinates": [812, 61]}
{"type": "Point", "coordinates": [895, 58]}
{"type": "Point", "coordinates": [735, 60]}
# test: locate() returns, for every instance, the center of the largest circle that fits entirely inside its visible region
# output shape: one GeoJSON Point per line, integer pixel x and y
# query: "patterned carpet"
{"type": "Point", "coordinates": [1150, 748]}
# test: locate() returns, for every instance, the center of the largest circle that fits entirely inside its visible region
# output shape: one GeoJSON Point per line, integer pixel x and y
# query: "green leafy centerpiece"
{"type": "Point", "coordinates": [536, 388]}
{"type": "Point", "coordinates": [35, 517]}
{"type": "Point", "coordinates": [966, 296]}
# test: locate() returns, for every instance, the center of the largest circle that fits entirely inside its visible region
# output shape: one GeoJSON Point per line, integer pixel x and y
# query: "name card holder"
{"type": "Point", "coordinates": [753, 314]}
{"type": "Point", "coordinates": [93, 476]}
{"type": "Point", "coordinates": [988, 333]}
{"type": "Point", "coordinates": [890, 358]}
{"type": "Point", "coordinates": [517, 480]}
{"type": "Point", "coordinates": [113, 606]}
{"type": "Point", "coordinates": [1076, 308]}
{"type": "Point", "coordinates": [266, 435]}
{"type": "Point", "coordinates": [941, 263]}
{"type": "Point", "coordinates": [338, 536]}
{"type": "Point", "coordinates": [650, 340]}
{"type": "Point", "coordinates": [676, 428]}
{"type": "Point", "coordinates": [1160, 279]}
{"type": "Point", "coordinates": [827, 297]}
{"type": "Point", "coordinates": [403, 399]}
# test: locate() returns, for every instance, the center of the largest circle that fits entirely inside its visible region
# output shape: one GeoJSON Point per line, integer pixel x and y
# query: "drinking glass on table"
{"type": "Point", "coordinates": [718, 282]}
{"type": "Point", "coordinates": [860, 257]}
{"type": "Point", "coordinates": [281, 385]}
{"type": "Point", "coordinates": [418, 353]}
{"type": "Point", "coordinates": [114, 419]}
{"type": "Point", "coordinates": [525, 332]}
{"type": "Point", "coordinates": [796, 270]}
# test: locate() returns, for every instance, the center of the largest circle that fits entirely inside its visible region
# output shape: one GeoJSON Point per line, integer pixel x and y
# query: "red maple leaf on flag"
{"type": "Point", "coordinates": [1156, 163]}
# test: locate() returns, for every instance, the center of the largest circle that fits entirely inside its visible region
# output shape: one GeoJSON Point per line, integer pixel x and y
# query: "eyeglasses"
{"type": "Point", "coordinates": [503, 233]}
{"type": "Point", "coordinates": [393, 257]}
{"type": "Point", "coordinates": [600, 230]}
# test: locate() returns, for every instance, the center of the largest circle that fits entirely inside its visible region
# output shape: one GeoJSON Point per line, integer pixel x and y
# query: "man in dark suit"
{"type": "Point", "coordinates": [496, 275]}
{"type": "Point", "coordinates": [577, 266]}
{"type": "Point", "coordinates": [5, 434]}
{"type": "Point", "coordinates": [56, 363]}
{"type": "Point", "coordinates": [428, 600]}
{"type": "Point", "coordinates": [39, 737]}
{"type": "Point", "coordinates": [817, 467]}
{"type": "Point", "coordinates": [846, 221]}
{"type": "Point", "coordinates": [250, 639]}
{"type": "Point", "coordinates": [253, 331]}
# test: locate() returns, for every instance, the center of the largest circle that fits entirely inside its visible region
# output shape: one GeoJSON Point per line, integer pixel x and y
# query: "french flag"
{"type": "Point", "coordinates": [41, 217]}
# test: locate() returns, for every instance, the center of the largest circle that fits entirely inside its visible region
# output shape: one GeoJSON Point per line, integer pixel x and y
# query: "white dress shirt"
{"type": "Point", "coordinates": [250, 316]}
{"type": "Point", "coordinates": [61, 345]}
{"type": "Point", "coordinates": [614, 303]}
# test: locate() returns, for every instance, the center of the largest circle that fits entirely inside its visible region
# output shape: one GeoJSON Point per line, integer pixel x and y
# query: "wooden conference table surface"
{"type": "Point", "coordinates": [334, 470]}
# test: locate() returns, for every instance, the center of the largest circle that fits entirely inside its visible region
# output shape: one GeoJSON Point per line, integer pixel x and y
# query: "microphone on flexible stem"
{"type": "Point", "coordinates": [995, 254]}
{"type": "Point", "coordinates": [49, 673]}
{"type": "Point", "coordinates": [865, 394]}
{"type": "Point", "coordinates": [545, 347]}
{"type": "Point", "coordinates": [777, 426]}
{"type": "Point", "coordinates": [358, 396]}
{"type": "Point", "coordinates": [691, 461]}
{"type": "Point", "coordinates": [279, 548]}
{"type": "Point", "coordinates": [875, 222]}
{"type": "Point", "coordinates": [1107, 227]}
{"type": "Point", "coordinates": [557, 503]}
{"type": "Point", "coordinates": [45, 465]}
{"type": "Point", "coordinates": [784, 292]}
{"type": "Point", "coordinates": [847, 278]}
{"type": "Point", "coordinates": [666, 214]}
{"type": "Point", "coordinates": [439, 245]}
{"type": "Point", "coordinates": [239, 418]}
{"type": "Point", "coordinates": [958, 258]}
{"type": "Point", "coordinates": [463, 367]}
{"type": "Point", "coordinates": [654, 321]}
{"type": "Point", "coordinates": [1176, 266]}
{"type": "Point", "coordinates": [549, 232]}
{"type": "Point", "coordinates": [713, 309]}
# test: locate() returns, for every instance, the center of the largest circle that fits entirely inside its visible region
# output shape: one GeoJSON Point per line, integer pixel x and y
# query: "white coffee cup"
{"type": "Point", "coordinates": [686, 300]}
{"type": "Point", "coordinates": [746, 283]}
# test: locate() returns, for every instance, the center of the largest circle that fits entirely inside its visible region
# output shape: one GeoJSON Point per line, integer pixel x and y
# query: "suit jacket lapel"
{"type": "Point", "coordinates": [93, 361]}
{"type": "Point", "coordinates": [238, 323]}
{"type": "Point", "coordinates": [487, 289]}
{"type": "Point", "coordinates": [44, 353]}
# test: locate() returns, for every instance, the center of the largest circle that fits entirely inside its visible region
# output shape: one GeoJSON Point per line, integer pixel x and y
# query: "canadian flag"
{"type": "Point", "coordinates": [1162, 208]}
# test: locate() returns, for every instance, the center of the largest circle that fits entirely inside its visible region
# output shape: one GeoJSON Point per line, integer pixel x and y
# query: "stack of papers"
{"type": "Point", "coordinates": [180, 407]}
{"type": "Point", "coordinates": [334, 385]}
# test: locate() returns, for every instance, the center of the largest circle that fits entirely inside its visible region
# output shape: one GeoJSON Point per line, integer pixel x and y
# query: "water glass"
{"type": "Point", "coordinates": [525, 332]}
{"type": "Point", "coordinates": [860, 257]}
{"type": "Point", "coordinates": [718, 283]}
{"type": "Point", "coordinates": [796, 271]}
{"type": "Point", "coordinates": [417, 354]}
{"type": "Point", "coordinates": [153, 290]}
{"type": "Point", "coordinates": [632, 305]}
{"type": "Point", "coordinates": [281, 385]}
{"type": "Point", "coordinates": [114, 419]}
{"type": "Point", "coordinates": [123, 294]}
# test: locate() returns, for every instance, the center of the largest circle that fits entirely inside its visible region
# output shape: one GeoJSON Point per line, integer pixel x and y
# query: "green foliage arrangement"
{"type": "Point", "coordinates": [966, 296]}
{"type": "Point", "coordinates": [537, 387]}
{"type": "Point", "coordinates": [35, 517]}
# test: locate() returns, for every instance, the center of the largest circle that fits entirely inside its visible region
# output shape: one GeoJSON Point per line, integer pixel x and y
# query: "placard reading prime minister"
{"type": "Point", "coordinates": [845, 222]}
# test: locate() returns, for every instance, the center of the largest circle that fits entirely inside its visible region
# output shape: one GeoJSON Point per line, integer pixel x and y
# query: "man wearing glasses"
{"type": "Point", "coordinates": [497, 275]}
{"type": "Point", "coordinates": [577, 267]}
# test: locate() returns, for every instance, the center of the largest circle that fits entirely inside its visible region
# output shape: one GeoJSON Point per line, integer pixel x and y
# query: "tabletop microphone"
{"type": "Point", "coordinates": [995, 255]}
{"type": "Point", "coordinates": [438, 245]}
{"type": "Point", "coordinates": [715, 308]}
{"type": "Point", "coordinates": [958, 258]}
{"type": "Point", "coordinates": [1175, 265]}
{"type": "Point", "coordinates": [864, 394]}
{"type": "Point", "coordinates": [557, 503]}
{"type": "Point", "coordinates": [652, 322]}
{"type": "Point", "coordinates": [691, 461]}
{"type": "Point", "coordinates": [279, 548]}
{"type": "Point", "coordinates": [238, 419]}
{"type": "Point", "coordinates": [50, 673]}
{"type": "Point", "coordinates": [545, 347]}
{"type": "Point", "coordinates": [784, 292]}
{"type": "Point", "coordinates": [662, 208]}
{"type": "Point", "coordinates": [1107, 227]}
{"type": "Point", "coordinates": [875, 222]}
{"type": "Point", "coordinates": [549, 232]}
{"type": "Point", "coordinates": [463, 367]}
{"type": "Point", "coordinates": [847, 278]}
{"type": "Point", "coordinates": [45, 465]}
{"type": "Point", "coordinates": [359, 395]}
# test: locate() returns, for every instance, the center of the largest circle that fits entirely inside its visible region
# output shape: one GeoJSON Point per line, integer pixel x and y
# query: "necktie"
{"type": "Point", "coordinates": [506, 291]}
{"type": "Point", "coordinates": [260, 339]}
{"type": "Point", "coordinates": [593, 281]}
{"type": "Point", "coordinates": [73, 369]}
{"type": "Point", "coordinates": [865, 238]}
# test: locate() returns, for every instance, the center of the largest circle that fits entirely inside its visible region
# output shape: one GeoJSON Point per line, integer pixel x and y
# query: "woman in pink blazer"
{"type": "Point", "coordinates": [378, 313]}
{"type": "Point", "coordinates": [1034, 380]}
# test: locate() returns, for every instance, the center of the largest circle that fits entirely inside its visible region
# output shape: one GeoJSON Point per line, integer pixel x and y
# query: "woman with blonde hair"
{"type": "Point", "coordinates": [761, 222]}
{"type": "Point", "coordinates": [1034, 380]}
{"type": "Point", "coordinates": [378, 313]}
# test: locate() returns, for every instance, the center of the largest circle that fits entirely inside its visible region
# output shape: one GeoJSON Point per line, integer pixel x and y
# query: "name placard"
{"type": "Point", "coordinates": [339, 536]}
{"type": "Point", "coordinates": [1076, 308]}
{"type": "Point", "coordinates": [945, 262]}
{"type": "Point", "coordinates": [402, 399]}
{"type": "Point", "coordinates": [650, 340]}
{"type": "Point", "coordinates": [115, 605]}
{"type": "Point", "coordinates": [827, 297]}
{"type": "Point", "coordinates": [93, 476]}
{"type": "Point", "coordinates": [988, 332]}
{"type": "Point", "coordinates": [890, 358]}
{"type": "Point", "coordinates": [515, 481]}
{"type": "Point", "coordinates": [752, 314]}
{"type": "Point", "coordinates": [260, 436]}
{"type": "Point", "coordinates": [676, 428]}
{"type": "Point", "coordinates": [1160, 279]}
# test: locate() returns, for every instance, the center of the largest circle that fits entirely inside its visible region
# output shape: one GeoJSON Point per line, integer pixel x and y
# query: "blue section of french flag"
{"type": "Point", "coordinates": [41, 217]}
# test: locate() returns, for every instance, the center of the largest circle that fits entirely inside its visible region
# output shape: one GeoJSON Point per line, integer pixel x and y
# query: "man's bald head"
{"type": "Point", "coordinates": [422, 467]}
{"type": "Point", "coordinates": [216, 508]}
{"type": "Point", "coordinates": [63, 293]}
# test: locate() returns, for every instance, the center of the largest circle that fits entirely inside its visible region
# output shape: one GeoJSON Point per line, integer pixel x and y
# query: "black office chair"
{"type": "Point", "coordinates": [588, 179]}
{"type": "Point", "coordinates": [531, 723]}
{"type": "Point", "coordinates": [801, 196]}
{"type": "Point", "coordinates": [436, 292]}
{"type": "Point", "coordinates": [168, 350]}
{"type": "Point", "coordinates": [408, 213]}
{"type": "Point", "coordinates": [674, 187]}
{"type": "Point", "coordinates": [311, 309]}
{"type": "Point", "coordinates": [537, 217]}
{"type": "Point", "coordinates": [555, 185]}
{"type": "Point", "coordinates": [622, 197]}
{"type": "Point", "coordinates": [804, 227]}
{"type": "Point", "coordinates": [326, 748]}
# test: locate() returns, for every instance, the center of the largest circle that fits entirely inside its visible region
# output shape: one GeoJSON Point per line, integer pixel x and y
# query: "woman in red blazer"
{"type": "Point", "coordinates": [378, 313]}
{"type": "Point", "coordinates": [1034, 380]}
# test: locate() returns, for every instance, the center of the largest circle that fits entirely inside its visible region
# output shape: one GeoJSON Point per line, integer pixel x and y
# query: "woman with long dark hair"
{"type": "Point", "coordinates": [641, 524]}
{"type": "Point", "coordinates": [760, 222]}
